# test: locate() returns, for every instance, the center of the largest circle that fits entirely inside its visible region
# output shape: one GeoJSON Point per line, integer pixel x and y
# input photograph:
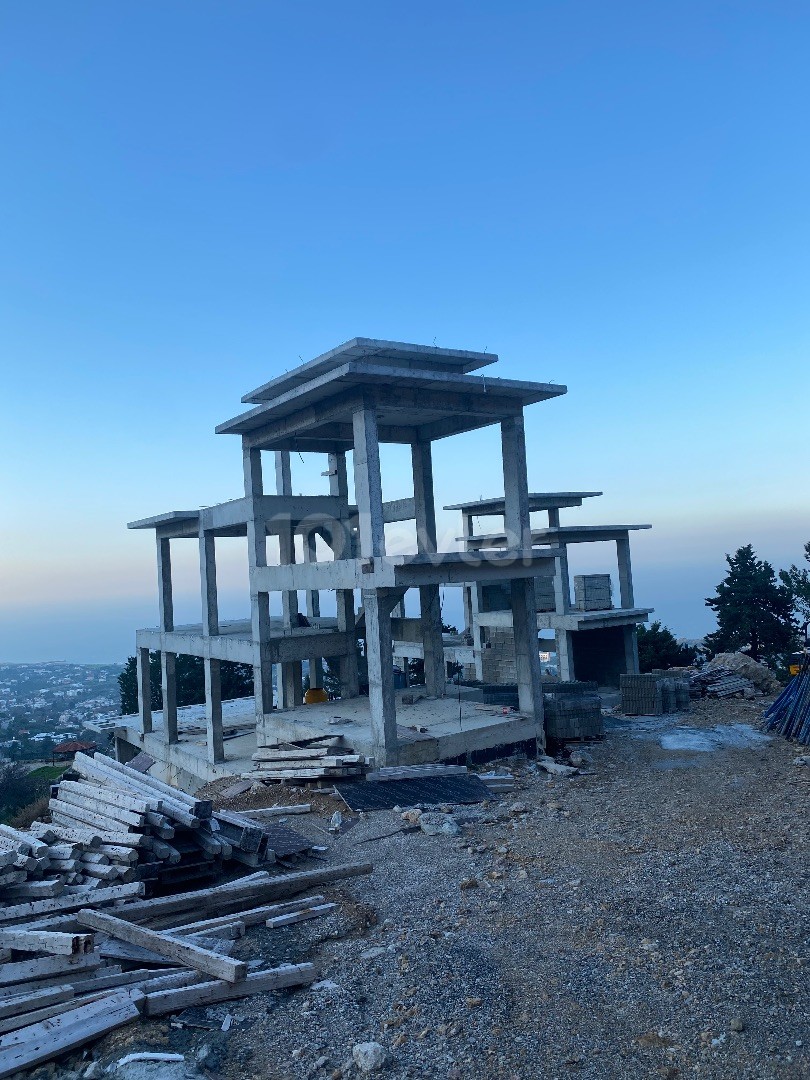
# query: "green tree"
{"type": "Point", "coordinates": [659, 648]}
{"type": "Point", "coordinates": [754, 611]}
{"type": "Point", "coordinates": [237, 682]}
{"type": "Point", "coordinates": [17, 789]}
{"type": "Point", "coordinates": [797, 581]}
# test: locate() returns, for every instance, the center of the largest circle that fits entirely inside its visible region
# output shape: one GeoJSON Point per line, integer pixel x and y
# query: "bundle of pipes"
{"type": "Point", "coordinates": [789, 715]}
{"type": "Point", "coordinates": [167, 954]}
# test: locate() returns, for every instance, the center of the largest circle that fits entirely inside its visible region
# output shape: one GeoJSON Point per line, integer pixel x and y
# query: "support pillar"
{"type": "Point", "coordinates": [565, 655]}
{"type": "Point", "coordinates": [291, 689]}
{"type": "Point", "coordinates": [313, 611]}
{"type": "Point", "coordinates": [208, 584]}
{"type": "Point", "coordinates": [164, 568]}
{"type": "Point", "coordinates": [168, 673]}
{"type": "Point", "coordinates": [524, 606]}
{"type": "Point", "coordinates": [625, 573]}
{"type": "Point", "coordinates": [346, 618]}
{"type": "Point", "coordinates": [379, 651]}
{"type": "Point", "coordinates": [213, 711]}
{"type": "Point", "coordinates": [429, 596]}
{"type": "Point", "coordinates": [381, 696]}
{"type": "Point", "coordinates": [630, 650]}
{"type": "Point", "coordinates": [259, 601]}
{"type": "Point", "coordinates": [144, 672]}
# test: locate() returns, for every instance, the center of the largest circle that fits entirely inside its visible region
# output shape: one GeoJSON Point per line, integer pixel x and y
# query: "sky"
{"type": "Point", "coordinates": [196, 196]}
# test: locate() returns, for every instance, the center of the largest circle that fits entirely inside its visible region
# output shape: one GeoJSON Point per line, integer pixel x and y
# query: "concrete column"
{"type": "Point", "coordinates": [291, 690]}
{"type": "Point", "coordinates": [565, 655]}
{"type": "Point", "coordinates": [429, 597]}
{"type": "Point", "coordinates": [524, 605]}
{"type": "Point", "coordinates": [208, 584]}
{"type": "Point", "coordinates": [164, 568]}
{"type": "Point", "coordinates": [368, 483]}
{"type": "Point", "coordinates": [213, 711]}
{"type": "Point", "coordinates": [554, 518]}
{"type": "Point", "coordinates": [313, 610]}
{"type": "Point", "coordinates": [472, 603]}
{"type": "Point", "coordinates": [346, 618]}
{"type": "Point", "coordinates": [625, 573]}
{"type": "Point", "coordinates": [380, 657]}
{"type": "Point", "coordinates": [630, 650]}
{"type": "Point", "coordinates": [144, 690]}
{"type": "Point", "coordinates": [259, 601]}
{"type": "Point", "coordinates": [515, 483]}
{"type": "Point", "coordinates": [562, 583]}
{"type": "Point", "coordinates": [168, 662]}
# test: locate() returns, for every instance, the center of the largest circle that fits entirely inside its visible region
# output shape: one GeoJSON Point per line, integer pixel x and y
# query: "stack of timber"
{"type": "Point", "coordinates": [720, 682]}
{"type": "Point", "coordinates": [313, 761]}
{"type": "Point", "coordinates": [114, 824]}
{"type": "Point", "coordinates": [74, 972]}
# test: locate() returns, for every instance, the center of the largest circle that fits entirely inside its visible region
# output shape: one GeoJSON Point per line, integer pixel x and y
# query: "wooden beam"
{"type": "Point", "coordinates": [258, 982]}
{"type": "Point", "coordinates": [46, 941]}
{"type": "Point", "coordinates": [221, 967]}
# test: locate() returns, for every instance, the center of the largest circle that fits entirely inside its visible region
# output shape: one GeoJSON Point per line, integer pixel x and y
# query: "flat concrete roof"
{"type": "Point", "coordinates": [390, 353]}
{"type": "Point", "coordinates": [171, 517]}
{"type": "Point", "coordinates": [570, 534]}
{"type": "Point", "coordinates": [411, 404]}
{"type": "Point", "coordinates": [538, 500]}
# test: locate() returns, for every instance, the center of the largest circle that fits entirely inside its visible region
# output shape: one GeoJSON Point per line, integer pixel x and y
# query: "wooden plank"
{"type": "Point", "coordinates": [35, 890]}
{"type": "Point", "coordinates": [29, 970]}
{"type": "Point", "coordinates": [52, 1038]}
{"type": "Point", "coordinates": [103, 809]}
{"type": "Point", "coordinates": [298, 916]}
{"type": "Point", "coordinates": [45, 941]}
{"type": "Point", "coordinates": [221, 967]}
{"type": "Point", "coordinates": [37, 999]}
{"type": "Point", "coordinates": [268, 753]}
{"type": "Point", "coordinates": [261, 886]}
{"type": "Point", "coordinates": [30, 844]}
{"type": "Point", "coordinates": [70, 902]}
{"type": "Point", "coordinates": [277, 811]}
{"type": "Point", "coordinates": [257, 982]}
{"type": "Point", "coordinates": [113, 795]}
{"type": "Point", "coordinates": [139, 977]}
{"type": "Point", "coordinates": [85, 837]}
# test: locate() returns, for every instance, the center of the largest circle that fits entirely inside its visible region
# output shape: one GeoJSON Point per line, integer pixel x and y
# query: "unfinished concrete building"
{"type": "Point", "coordinates": [351, 400]}
{"type": "Point", "coordinates": [593, 640]}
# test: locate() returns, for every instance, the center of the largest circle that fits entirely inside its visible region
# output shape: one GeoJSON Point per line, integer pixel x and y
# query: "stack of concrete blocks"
{"type": "Point", "coordinates": [653, 695]}
{"type": "Point", "coordinates": [498, 656]}
{"type": "Point", "coordinates": [545, 593]}
{"type": "Point", "coordinates": [573, 710]}
{"type": "Point", "coordinates": [593, 592]}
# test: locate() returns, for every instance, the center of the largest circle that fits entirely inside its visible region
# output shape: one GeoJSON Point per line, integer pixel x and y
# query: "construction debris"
{"type": "Point", "coordinates": [72, 994]}
{"type": "Point", "coordinates": [721, 682]}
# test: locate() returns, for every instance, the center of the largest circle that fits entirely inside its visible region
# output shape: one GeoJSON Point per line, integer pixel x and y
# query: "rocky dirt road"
{"type": "Point", "coordinates": [646, 919]}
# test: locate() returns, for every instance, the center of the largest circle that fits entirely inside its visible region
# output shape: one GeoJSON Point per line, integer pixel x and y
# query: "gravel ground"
{"type": "Point", "coordinates": [646, 919]}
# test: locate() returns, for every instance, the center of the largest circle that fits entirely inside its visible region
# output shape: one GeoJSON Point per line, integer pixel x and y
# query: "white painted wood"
{"type": "Point", "coordinates": [221, 967]}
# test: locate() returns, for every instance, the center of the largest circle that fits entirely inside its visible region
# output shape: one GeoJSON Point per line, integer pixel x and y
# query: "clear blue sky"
{"type": "Point", "coordinates": [609, 195]}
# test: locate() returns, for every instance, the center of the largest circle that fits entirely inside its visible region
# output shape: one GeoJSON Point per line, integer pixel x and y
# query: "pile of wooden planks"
{"type": "Point", "coordinates": [311, 761]}
{"type": "Point", "coordinates": [114, 824]}
{"type": "Point", "coordinates": [93, 970]}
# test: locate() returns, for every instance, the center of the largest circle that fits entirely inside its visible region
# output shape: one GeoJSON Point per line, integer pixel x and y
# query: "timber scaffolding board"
{"type": "Point", "coordinates": [116, 825]}
{"type": "Point", "coordinates": [326, 758]}
{"type": "Point", "coordinates": [57, 1003]}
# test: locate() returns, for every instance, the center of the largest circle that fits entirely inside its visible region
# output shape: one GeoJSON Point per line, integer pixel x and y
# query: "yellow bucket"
{"type": "Point", "coordinates": [315, 695]}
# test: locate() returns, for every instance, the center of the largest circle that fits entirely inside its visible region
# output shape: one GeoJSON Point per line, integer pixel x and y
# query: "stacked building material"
{"type": "Point", "coordinates": [35, 867]}
{"type": "Point", "coordinates": [323, 759]}
{"type": "Point", "coordinates": [593, 592]}
{"type": "Point", "coordinates": [572, 715]}
{"type": "Point", "coordinates": [720, 682]}
{"type": "Point", "coordinates": [653, 694]}
{"type": "Point", "coordinates": [789, 715]}
{"type": "Point", "coordinates": [114, 824]}
{"type": "Point", "coordinates": [174, 953]}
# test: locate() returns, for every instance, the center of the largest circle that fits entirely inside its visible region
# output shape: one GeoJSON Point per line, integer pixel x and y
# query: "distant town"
{"type": "Point", "coordinates": [43, 705]}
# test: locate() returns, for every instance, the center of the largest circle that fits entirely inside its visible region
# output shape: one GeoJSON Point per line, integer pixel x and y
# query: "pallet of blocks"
{"type": "Point", "coordinates": [311, 761]}
{"type": "Point", "coordinates": [73, 971]}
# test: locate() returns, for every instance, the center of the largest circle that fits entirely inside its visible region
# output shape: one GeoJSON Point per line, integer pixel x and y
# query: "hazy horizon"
{"type": "Point", "coordinates": [609, 197]}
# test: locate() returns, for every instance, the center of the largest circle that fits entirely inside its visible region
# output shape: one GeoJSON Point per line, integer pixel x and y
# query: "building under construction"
{"type": "Point", "coordinates": [323, 553]}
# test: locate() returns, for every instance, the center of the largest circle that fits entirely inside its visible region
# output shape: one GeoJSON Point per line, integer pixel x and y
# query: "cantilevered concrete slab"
{"type": "Point", "coordinates": [398, 354]}
{"type": "Point", "coordinates": [568, 534]}
{"type": "Point", "coordinates": [538, 500]}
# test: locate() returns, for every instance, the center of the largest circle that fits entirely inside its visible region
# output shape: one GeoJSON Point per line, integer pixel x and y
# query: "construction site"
{"type": "Point", "coordinates": [343, 595]}
{"type": "Point", "coordinates": [457, 853]}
